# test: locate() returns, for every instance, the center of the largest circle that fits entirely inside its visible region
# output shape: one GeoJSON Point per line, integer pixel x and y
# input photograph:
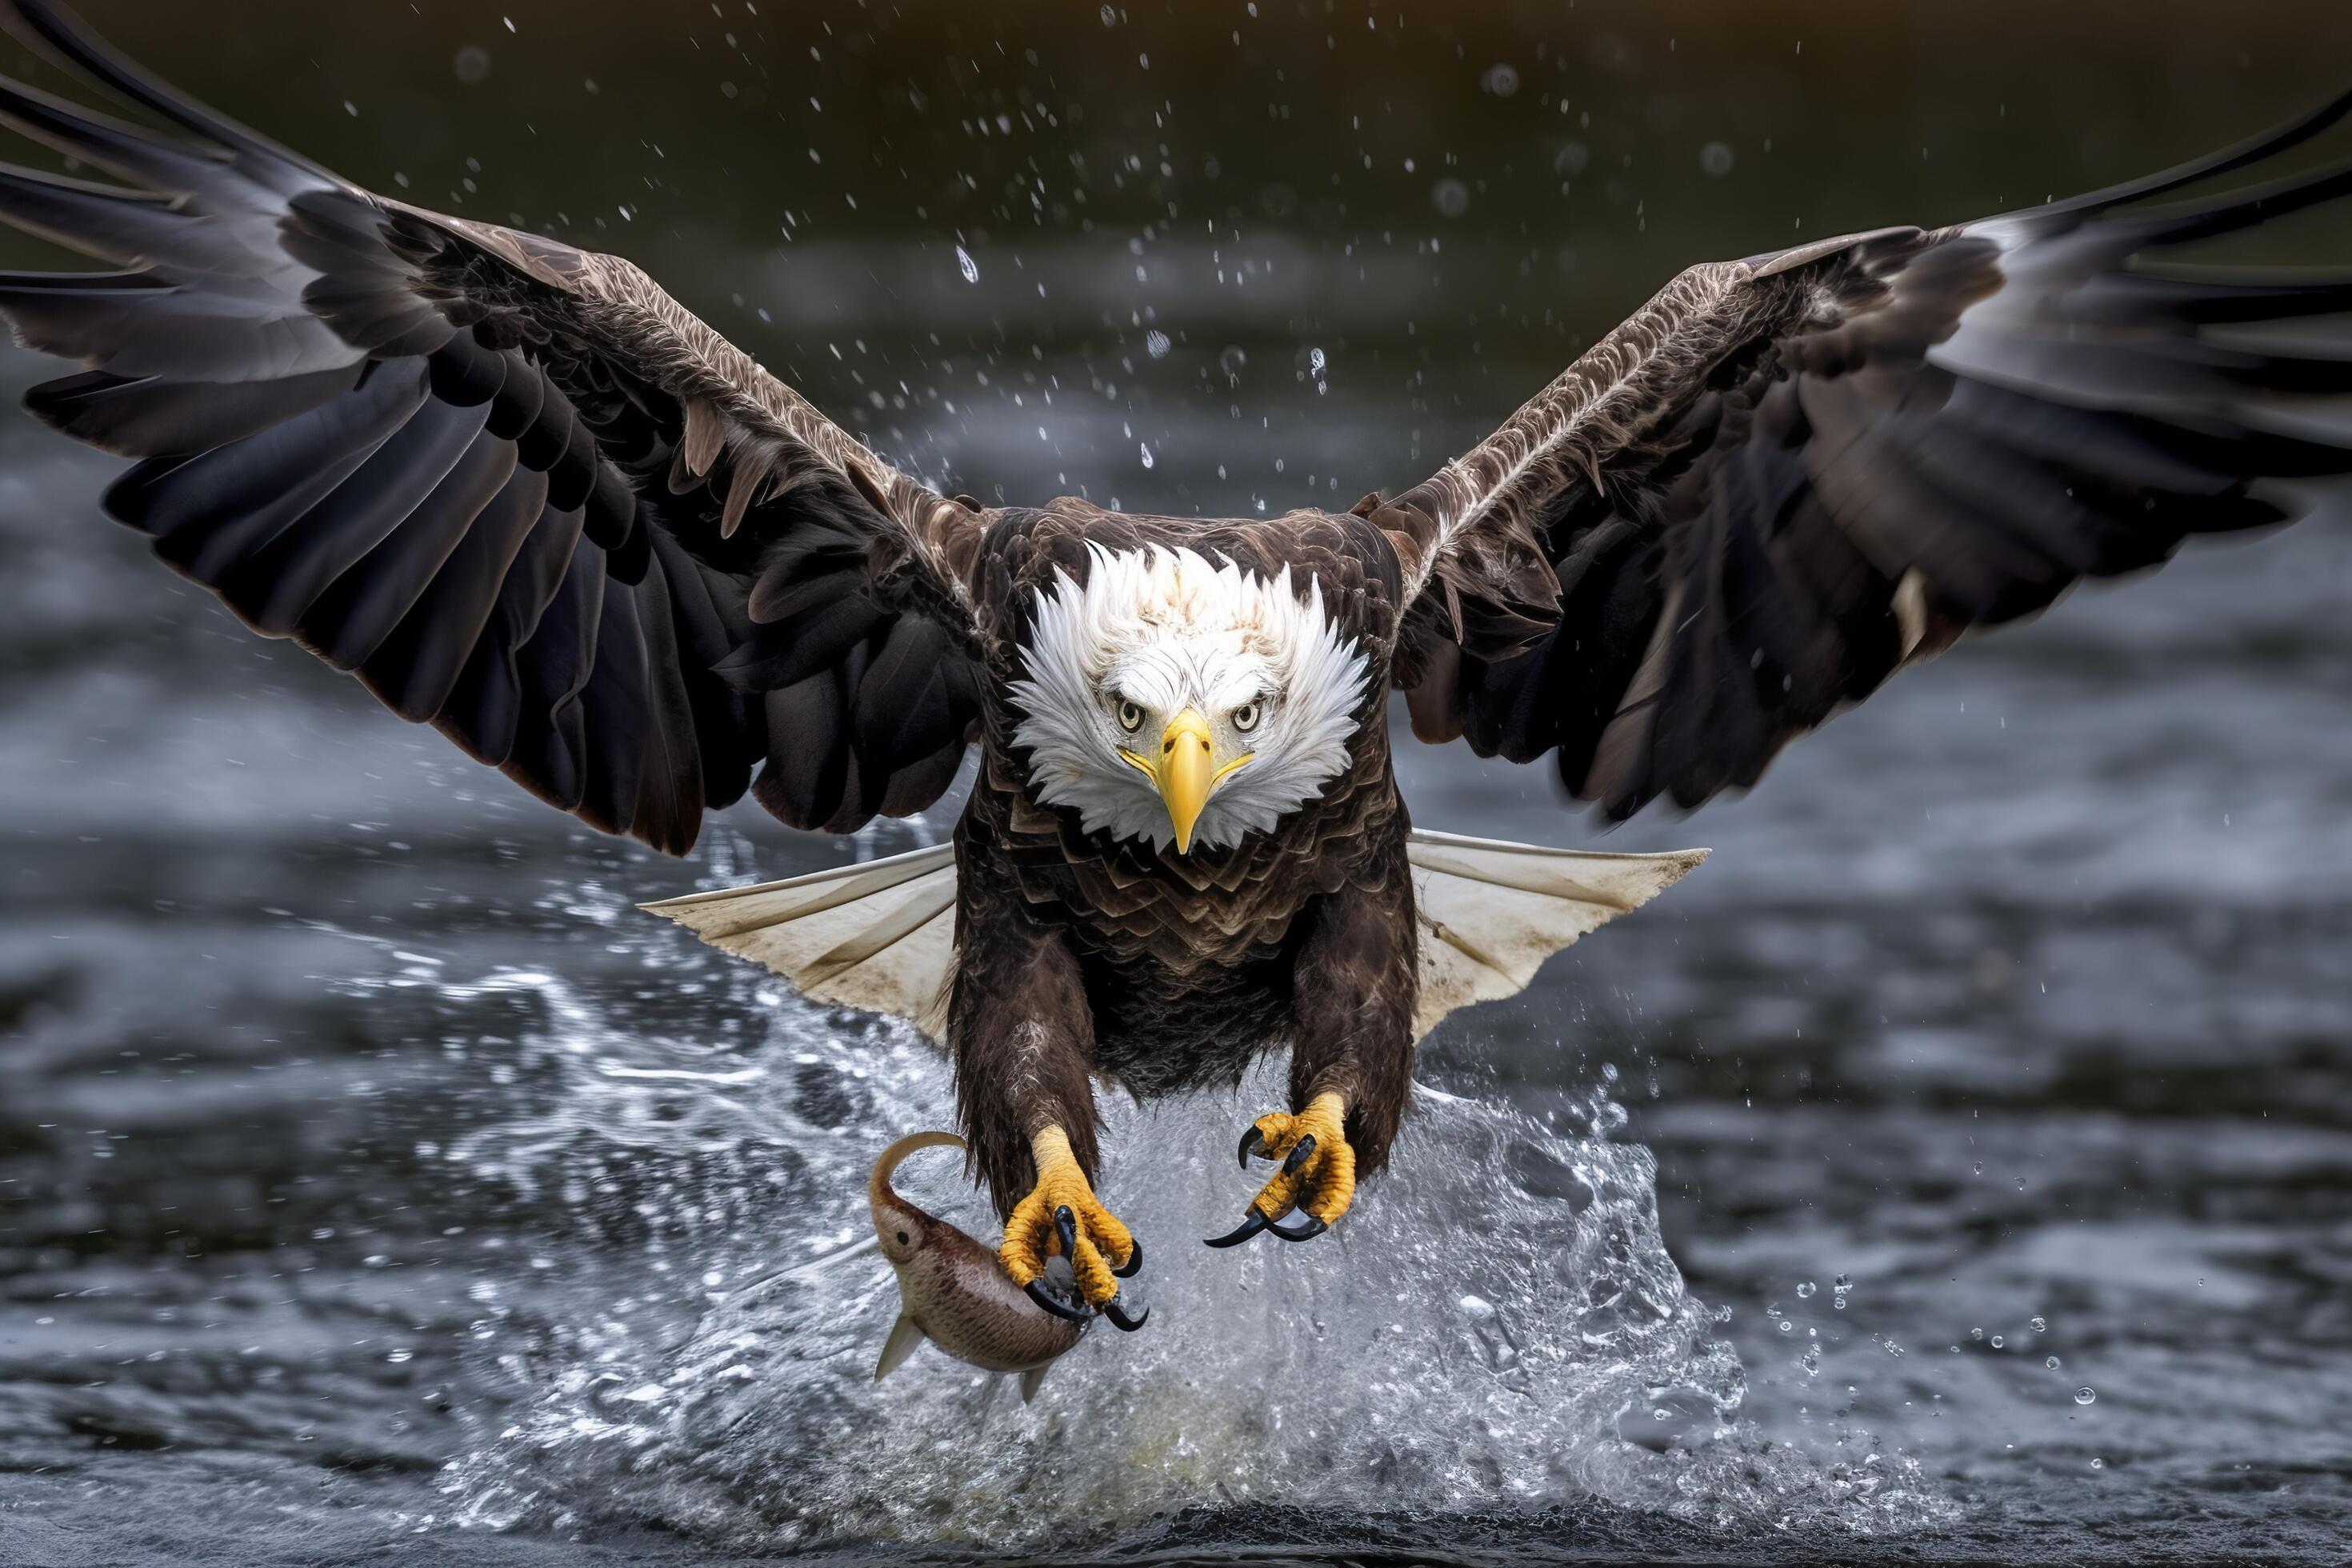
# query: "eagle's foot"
{"type": "Point", "coordinates": [1061, 1217]}
{"type": "Point", "coordinates": [1317, 1174]}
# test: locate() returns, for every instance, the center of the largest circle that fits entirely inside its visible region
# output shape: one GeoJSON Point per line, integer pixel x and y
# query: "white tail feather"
{"type": "Point", "coordinates": [878, 936]}
{"type": "Point", "coordinates": [881, 936]}
{"type": "Point", "coordinates": [1491, 912]}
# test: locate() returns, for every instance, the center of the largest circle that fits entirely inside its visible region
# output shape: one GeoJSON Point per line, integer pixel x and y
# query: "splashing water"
{"type": "Point", "coordinates": [1497, 1323]}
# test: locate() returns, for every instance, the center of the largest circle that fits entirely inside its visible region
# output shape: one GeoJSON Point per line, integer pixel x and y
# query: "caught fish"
{"type": "Point", "coordinates": [952, 1291]}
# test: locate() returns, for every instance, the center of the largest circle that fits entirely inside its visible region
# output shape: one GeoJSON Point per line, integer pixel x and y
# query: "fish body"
{"type": "Point", "coordinates": [951, 1290]}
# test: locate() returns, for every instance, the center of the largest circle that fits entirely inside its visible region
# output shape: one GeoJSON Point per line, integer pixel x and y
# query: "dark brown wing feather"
{"type": "Point", "coordinates": [1786, 477]}
{"type": "Point", "coordinates": [516, 488]}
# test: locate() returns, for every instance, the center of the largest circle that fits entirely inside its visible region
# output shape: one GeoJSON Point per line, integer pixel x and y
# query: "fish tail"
{"type": "Point", "coordinates": [877, 1187]}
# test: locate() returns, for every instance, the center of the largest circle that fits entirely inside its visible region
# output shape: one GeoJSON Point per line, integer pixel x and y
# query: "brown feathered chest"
{"type": "Point", "coordinates": [1186, 957]}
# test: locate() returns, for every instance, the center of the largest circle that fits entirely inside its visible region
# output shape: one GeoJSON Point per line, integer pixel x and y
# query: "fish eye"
{"type": "Point", "coordinates": [1130, 716]}
{"type": "Point", "coordinates": [1245, 716]}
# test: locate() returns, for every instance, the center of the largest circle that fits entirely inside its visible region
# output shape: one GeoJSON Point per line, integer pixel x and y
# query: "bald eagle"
{"type": "Point", "coordinates": [527, 498]}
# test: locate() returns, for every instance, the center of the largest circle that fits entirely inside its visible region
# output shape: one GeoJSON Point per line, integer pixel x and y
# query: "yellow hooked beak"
{"type": "Point", "coordinates": [1186, 771]}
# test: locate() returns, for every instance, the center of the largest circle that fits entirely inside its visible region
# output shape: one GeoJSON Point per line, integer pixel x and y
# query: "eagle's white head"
{"type": "Point", "coordinates": [1172, 700]}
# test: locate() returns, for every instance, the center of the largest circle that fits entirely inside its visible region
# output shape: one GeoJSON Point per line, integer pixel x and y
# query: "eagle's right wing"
{"type": "Point", "coordinates": [1785, 478]}
{"type": "Point", "coordinates": [520, 491]}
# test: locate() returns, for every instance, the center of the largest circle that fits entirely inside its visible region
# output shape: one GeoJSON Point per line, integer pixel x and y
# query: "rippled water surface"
{"type": "Point", "coordinates": [1958, 1166]}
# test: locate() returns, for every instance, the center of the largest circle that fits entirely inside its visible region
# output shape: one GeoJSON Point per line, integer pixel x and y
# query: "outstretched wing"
{"type": "Point", "coordinates": [516, 488]}
{"type": "Point", "coordinates": [1785, 478]}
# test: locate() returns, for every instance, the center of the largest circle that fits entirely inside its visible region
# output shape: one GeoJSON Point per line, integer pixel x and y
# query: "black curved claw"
{"type": "Point", "coordinates": [1066, 1226]}
{"type": "Point", "coordinates": [1120, 1321]}
{"type": "Point", "coordinates": [1300, 1155]}
{"type": "Point", "coordinates": [1055, 1304]}
{"type": "Point", "coordinates": [1249, 1227]}
{"type": "Point", "coordinates": [1308, 1232]}
{"type": "Point", "coordinates": [1133, 1266]}
{"type": "Point", "coordinates": [1251, 1142]}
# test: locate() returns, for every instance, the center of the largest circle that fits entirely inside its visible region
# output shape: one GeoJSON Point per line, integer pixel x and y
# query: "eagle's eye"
{"type": "Point", "coordinates": [1130, 716]}
{"type": "Point", "coordinates": [1245, 716]}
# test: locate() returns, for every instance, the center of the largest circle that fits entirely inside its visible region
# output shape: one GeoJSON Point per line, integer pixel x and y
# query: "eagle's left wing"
{"type": "Point", "coordinates": [516, 488]}
{"type": "Point", "coordinates": [1785, 478]}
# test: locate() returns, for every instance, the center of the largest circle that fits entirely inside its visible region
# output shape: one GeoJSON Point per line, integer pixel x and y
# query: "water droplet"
{"type": "Point", "coordinates": [1478, 1307]}
{"type": "Point", "coordinates": [1450, 196]}
{"type": "Point", "coordinates": [1109, 18]}
{"type": "Point", "coordinates": [1805, 1288]}
{"type": "Point", "coordinates": [2098, 1464]}
{"type": "Point", "coordinates": [1232, 360]}
{"type": "Point", "coordinates": [1571, 160]}
{"type": "Point", "coordinates": [1145, 447]}
{"type": "Point", "coordinates": [2085, 1394]}
{"type": "Point", "coordinates": [1155, 343]}
{"type": "Point", "coordinates": [2050, 1361]}
{"type": "Point", "coordinates": [1787, 1327]}
{"type": "Point", "coordinates": [1977, 1335]}
{"type": "Point", "coordinates": [472, 65]}
{"type": "Point", "coordinates": [1714, 158]}
{"type": "Point", "coordinates": [397, 1357]}
{"type": "Point", "coordinates": [2040, 1325]}
{"type": "Point", "coordinates": [1502, 80]}
{"type": "Point", "coordinates": [1996, 1342]}
{"type": "Point", "coordinates": [2021, 1183]}
{"type": "Point", "coordinates": [1841, 1284]}
{"type": "Point", "coordinates": [966, 264]}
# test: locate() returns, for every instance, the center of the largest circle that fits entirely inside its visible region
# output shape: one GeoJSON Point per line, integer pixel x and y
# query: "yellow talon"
{"type": "Point", "coordinates": [1324, 1185]}
{"type": "Point", "coordinates": [1029, 1231]}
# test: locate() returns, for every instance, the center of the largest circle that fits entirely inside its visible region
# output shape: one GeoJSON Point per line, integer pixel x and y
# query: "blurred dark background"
{"type": "Point", "coordinates": [2019, 999]}
{"type": "Point", "coordinates": [1449, 200]}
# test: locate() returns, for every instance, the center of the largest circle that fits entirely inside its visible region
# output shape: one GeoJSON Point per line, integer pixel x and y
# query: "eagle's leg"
{"type": "Point", "coordinates": [1021, 1031]}
{"type": "Point", "coordinates": [1354, 990]}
